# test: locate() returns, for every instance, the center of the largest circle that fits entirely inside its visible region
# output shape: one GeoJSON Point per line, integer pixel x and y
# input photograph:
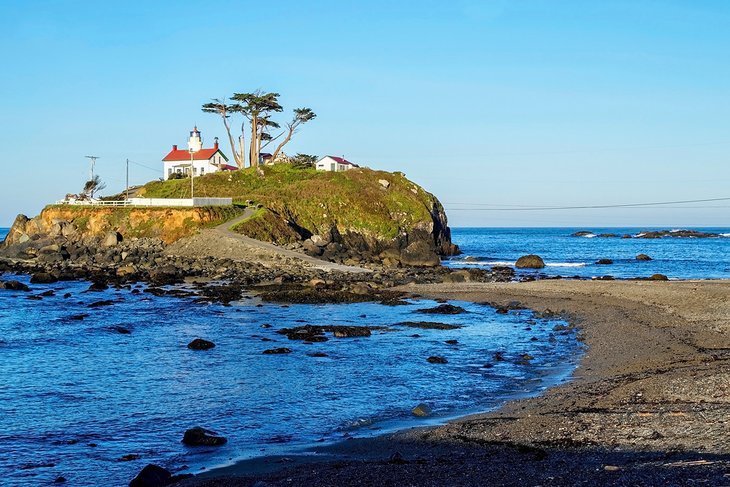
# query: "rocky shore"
{"type": "Point", "coordinates": [648, 406]}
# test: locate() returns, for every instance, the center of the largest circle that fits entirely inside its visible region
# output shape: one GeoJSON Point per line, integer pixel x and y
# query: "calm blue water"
{"type": "Point", "coordinates": [679, 258]}
{"type": "Point", "coordinates": [76, 396]}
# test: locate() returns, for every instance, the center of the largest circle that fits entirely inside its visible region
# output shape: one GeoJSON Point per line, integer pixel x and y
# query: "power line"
{"type": "Point", "coordinates": [489, 207]}
{"type": "Point", "coordinates": [146, 167]}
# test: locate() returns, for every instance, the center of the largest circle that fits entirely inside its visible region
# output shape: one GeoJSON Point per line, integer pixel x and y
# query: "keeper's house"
{"type": "Point", "coordinates": [202, 161]}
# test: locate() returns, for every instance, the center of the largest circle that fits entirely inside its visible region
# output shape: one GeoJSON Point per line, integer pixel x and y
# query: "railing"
{"type": "Point", "coordinates": [152, 202]}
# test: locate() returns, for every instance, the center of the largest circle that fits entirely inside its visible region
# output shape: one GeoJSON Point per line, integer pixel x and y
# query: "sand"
{"type": "Point", "coordinates": [648, 405]}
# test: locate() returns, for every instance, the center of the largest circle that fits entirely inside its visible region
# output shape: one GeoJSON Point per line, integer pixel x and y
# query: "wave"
{"type": "Point", "coordinates": [565, 264]}
{"type": "Point", "coordinates": [725, 234]}
{"type": "Point", "coordinates": [512, 263]}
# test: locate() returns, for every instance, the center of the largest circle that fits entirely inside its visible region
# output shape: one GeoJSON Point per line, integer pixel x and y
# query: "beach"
{"type": "Point", "coordinates": [648, 404]}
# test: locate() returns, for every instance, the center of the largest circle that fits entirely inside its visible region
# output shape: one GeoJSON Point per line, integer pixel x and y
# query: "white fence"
{"type": "Point", "coordinates": [152, 202]}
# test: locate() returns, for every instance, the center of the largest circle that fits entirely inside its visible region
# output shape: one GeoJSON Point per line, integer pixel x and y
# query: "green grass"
{"type": "Point", "coordinates": [352, 200]}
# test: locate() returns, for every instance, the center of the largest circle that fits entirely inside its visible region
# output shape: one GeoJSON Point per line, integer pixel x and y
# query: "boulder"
{"type": "Point", "coordinates": [531, 261]}
{"type": "Point", "coordinates": [419, 254]}
{"type": "Point", "coordinates": [443, 309]}
{"type": "Point", "coordinates": [111, 239]}
{"type": "Point", "coordinates": [198, 436]}
{"type": "Point", "coordinates": [384, 183]}
{"type": "Point", "coordinates": [151, 476]}
{"type": "Point", "coordinates": [422, 410]}
{"type": "Point", "coordinates": [126, 270]}
{"type": "Point", "coordinates": [604, 262]}
{"type": "Point", "coordinates": [643, 257]}
{"type": "Point", "coordinates": [276, 351]}
{"type": "Point", "coordinates": [435, 359]}
{"type": "Point", "coordinates": [200, 344]}
{"type": "Point", "coordinates": [42, 278]}
{"type": "Point", "coordinates": [14, 286]}
{"type": "Point", "coordinates": [658, 277]}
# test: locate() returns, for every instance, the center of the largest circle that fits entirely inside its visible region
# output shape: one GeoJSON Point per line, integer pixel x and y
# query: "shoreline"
{"type": "Point", "coordinates": [647, 401]}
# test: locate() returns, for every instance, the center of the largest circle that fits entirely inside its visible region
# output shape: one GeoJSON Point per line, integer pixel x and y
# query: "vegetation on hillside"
{"type": "Point", "coordinates": [299, 202]}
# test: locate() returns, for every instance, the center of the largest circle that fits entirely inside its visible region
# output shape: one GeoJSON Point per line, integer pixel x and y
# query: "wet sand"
{"type": "Point", "coordinates": [649, 404]}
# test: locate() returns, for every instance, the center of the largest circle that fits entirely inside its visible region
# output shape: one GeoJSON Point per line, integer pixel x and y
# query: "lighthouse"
{"type": "Point", "coordinates": [195, 143]}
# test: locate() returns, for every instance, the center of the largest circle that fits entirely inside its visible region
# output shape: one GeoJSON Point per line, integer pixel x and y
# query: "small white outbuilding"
{"type": "Point", "coordinates": [334, 163]}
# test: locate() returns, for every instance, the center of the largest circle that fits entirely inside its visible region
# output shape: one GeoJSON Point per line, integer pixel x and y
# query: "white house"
{"type": "Point", "coordinates": [204, 161]}
{"type": "Point", "coordinates": [334, 163]}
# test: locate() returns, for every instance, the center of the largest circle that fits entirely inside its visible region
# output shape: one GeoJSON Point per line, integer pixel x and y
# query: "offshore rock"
{"type": "Point", "coordinates": [198, 436]}
{"type": "Point", "coordinates": [531, 261]}
{"type": "Point", "coordinates": [151, 476]}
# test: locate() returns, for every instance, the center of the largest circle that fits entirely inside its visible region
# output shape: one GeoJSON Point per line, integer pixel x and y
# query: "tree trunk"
{"type": "Point", "coordinates": [253, 153]}
{"type": "Point", "coordinates": [238, 160]}
{"type": "Point", "coordinates": [283, 143]}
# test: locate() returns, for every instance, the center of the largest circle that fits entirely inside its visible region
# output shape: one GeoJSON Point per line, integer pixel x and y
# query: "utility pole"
{"type": "Point", "coordinates": [93, 163]}
{"type": "Point", "coordinates": [127, 191]}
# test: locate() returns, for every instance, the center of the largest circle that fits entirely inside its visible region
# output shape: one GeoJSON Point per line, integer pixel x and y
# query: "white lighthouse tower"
{"type": "Point", "coordinates": [195, 143]}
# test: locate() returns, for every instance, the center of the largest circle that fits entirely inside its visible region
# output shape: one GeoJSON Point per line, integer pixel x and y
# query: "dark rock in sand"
{"type": "Point", "coordinates": [419, 254]}
{"type": "Point", "coordinates": [151, 476]}
{"type": "Point", "coordinates": [422, 410]}
{"type": "Point", "coordinates": [643, 257]}
{"type": "Point", "coordinates": [604, 278]}
{"type": "Point", "coordinates": [604, 262]}
{"type": "Point", "coordinates": [200, 344]}
{"type": "Point", "coordinates": [276, 351]}
{"type": "Point", "coordinates": [435, 359]}
{"type": "Point", "coordinates": [658, 277]}
{"type": "Point", "coordinates": [443, 309]}
{"type": "Point", "coordinates": [198, 436]}
{"type": "Point", "coordinates": [531, 261]}
{"type": "Point", "coordinates": [428, 325]}
{"type": "Point", "coordinates": [14, 286]}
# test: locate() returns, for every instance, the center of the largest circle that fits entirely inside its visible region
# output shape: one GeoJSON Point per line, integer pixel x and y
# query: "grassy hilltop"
{"type": "Point", "coordinates": [364, 209]}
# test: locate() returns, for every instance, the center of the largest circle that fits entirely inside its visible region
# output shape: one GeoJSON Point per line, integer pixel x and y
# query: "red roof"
{"type": "Point", "coordinates": [341, 160]}
{"type": "Point", "coordinates": [183, 155]}
{"type": "Point", "coordinates": [228, 167]}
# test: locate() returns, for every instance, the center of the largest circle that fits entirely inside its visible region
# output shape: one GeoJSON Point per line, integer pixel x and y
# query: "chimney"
{"type": "Point", "coordinates": [215, 145]}
{"type": "Point", "coordinates": [174, 147]}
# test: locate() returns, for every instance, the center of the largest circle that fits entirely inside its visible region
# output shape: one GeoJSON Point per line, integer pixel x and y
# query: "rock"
{"type": "Point", "coordinates": [276, 351]}
{"type": "Point", "coordinates": [200, 344]}
{"type": "Point", "coordinates": [531, 261]}
{"type": "Point", "coordinates": [384, 183]}
{"type": "Point", "coordinates": [350, 331]}
{"type": "Point", "coordinates": [129, 457]}
{"type": "Point", "coordinates": [499, 356]}
{"type": "Point", "coordinates": [59, 480]}
{"type": "Point", "coordinates": [317, 282]}
{"type": "Point", "coordinates": [658, 277]}
{"type": "Point", "coordinates": [461, 275]}
{"type": "Point", "coordinates": [525, 359]}
{"type": "Point", "coordinates": [435, 359]}
{"type": "Point", "coordinates": [422, 410]}
{"type": "Point", "coordinates": [428, 325]}
{"type": "Point", "coordinates": [151, 476]}
{"type": "Point", "coordinates": [319, 241]}
{"type": "Point", "coordinates": [312, 248]}
{"type": "Point", "coordinates": [42, 278]}
{"type": "Point", "coordinates": [452, 342]}
{"type": "Point", "coordinates": [582, 233]}
{"type": "Point", "coordinates": [397, 459]}
{"type": "Point", "coordinates": [643, 257]}
{"type": "Point", "coordinates": [419, 254]}
{"type": "Point", "coordinates": [443, 309]}
{"type": "Point", "coordinates": [318, 354]}
{"type": "Point", "coordinates": [198, 436]}
{"type": "Point", "coordinates": [126, 270]}
{"type": "Point", "coordinates": [120, 329]}
{"type": "Point", "coordinates": [14, 286]}
{"type": "Point", "coordinates": [604, 262]}
{"type": "Point", "coordinates": [111, 239]}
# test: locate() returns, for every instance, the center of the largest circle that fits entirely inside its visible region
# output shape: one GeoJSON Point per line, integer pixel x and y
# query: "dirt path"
{"type": "Point", "coordinates": [221, 242]}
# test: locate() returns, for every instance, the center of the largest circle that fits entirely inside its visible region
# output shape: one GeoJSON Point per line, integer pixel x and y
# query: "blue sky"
{"type": "Point", "coordinates": [531, 103]}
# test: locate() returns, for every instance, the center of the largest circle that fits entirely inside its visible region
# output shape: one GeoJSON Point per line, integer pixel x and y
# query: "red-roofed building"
{"type": "Point", "coordinates": [334, 163]}
{"type": "Point", "coordinates": [204, 161]}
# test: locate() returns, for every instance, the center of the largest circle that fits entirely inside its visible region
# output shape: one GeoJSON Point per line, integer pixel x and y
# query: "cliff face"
{"type": "Point", "coordinates": [83, 222]}
{"type": "Point", "coordinates": [360, 214]}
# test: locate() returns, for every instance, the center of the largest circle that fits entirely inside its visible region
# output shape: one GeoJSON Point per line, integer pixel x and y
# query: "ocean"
{"type": "Point", "coordinates": [80, 400]}
{"type": "Point", "coordinates": [568, 256]}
